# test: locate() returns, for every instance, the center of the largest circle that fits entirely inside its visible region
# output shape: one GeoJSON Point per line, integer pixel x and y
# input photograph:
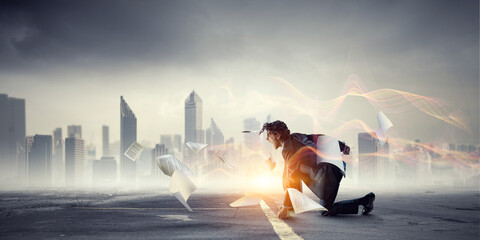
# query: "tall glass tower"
{"type": "Point", "coordinates": [128, 135]}
{"type": "Point", "coordinates": [193, 130]}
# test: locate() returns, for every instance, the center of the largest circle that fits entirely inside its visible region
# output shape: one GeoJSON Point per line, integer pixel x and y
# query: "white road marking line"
{"type": "Point", "coordinates": [131, 208]}
{"type": "Point", "coordinates": [280, 227]}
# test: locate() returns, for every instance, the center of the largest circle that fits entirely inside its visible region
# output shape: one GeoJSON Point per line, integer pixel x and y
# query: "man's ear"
{"type": "Point", "coordinates": [277, 136]}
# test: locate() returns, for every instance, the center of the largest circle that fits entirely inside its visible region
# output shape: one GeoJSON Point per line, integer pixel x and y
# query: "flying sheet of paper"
{"type": "Point", "coordinates": [180, 198]}
{"type": "Point", "coordinates": [169, 164]}
{"type": "Point", "coordinates": [223, 160]}
{"type": "Point", "coordinates": [133, 152]}
{"type": "Point", "coordinates": [383, 122]}
{"type": "Point", "coordinates": [181, 187]}
{"type": "Point", "coordinates": [196, 147]}
{"type": "Point", "coordinates": [302, 203]}
{"type": "Point", "coordinates": [251, 131]}
{"type": "Point", "coordinates": [247, 200]}
{"type": "Point", "coordinates": [383, 125]}
{"type": "Point", "coordinates": [380, 136]}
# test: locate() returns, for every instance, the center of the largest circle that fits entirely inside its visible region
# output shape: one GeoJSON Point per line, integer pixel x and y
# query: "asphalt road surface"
{"type": "Point", "coordinates": [148, 214]}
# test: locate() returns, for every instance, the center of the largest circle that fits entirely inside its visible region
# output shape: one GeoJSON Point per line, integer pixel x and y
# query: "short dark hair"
{"type": "Point", "coordinates": [277, 127]}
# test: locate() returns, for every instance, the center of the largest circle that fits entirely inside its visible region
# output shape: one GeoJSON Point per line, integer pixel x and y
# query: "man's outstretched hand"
{"type": "Point", "coordinates": [283, 213]}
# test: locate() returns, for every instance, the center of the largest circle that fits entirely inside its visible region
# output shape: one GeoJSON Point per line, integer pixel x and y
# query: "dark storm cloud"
{"type": "Point", "coordinates": [56, 31]}
{"type": "Point", "coordinates": [188, 32]}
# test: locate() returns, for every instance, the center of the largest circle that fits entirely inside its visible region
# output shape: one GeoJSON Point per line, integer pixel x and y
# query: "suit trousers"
{"type": "Point", "coordinates": [325, 185]}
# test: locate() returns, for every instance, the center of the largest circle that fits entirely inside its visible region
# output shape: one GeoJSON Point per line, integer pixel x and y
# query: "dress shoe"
{"type": "Point", "coordinates": [368, 206]}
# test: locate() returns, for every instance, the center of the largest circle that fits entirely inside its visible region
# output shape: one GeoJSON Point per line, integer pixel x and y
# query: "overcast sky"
{"type": "Point", "coordinates": [72, 60]}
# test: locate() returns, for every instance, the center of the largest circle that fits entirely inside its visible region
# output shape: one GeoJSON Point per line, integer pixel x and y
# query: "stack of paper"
{"type": "Point", "coordinates": [302, 203]}
{"type": "Point", "coordinates": [134, 151]}
{"type": "Point", "coordinates": [182, 187]}
{"type": "Point", "coordinates": [196, 147]}
{"type": "Point", "coordinates": [169, 164]}
{"type": "Point", "coordinates": [383, 125]}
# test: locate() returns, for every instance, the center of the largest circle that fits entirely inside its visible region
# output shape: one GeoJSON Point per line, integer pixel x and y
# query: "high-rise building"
{"type": "Point", "coordinates": [12, 137]}
{"type": "Point", "coordinates": [214, 135]}
{"type": "Point", "coordinates": [28, 147]}
{"type": "Point", "coordinates": [128, 135]}
{"type": "Point", "coordinates": [105, 171]}
{"type": "Point", "coordinates": [88, 165]}
{"type": "Point", "coordinates": [373, 159]}
{"type": "Point", "coordinates": [157, 174]}
{"type": "Point", "coordinates": [167, 141]}
{"type": "Point", "coordinates": [74, 161]}
{"type": "Point", "coordinates": [105, 141]}
{"type": "Point", "coordinates": [177, 142]}
{"type": "Point", "coordinates": [58, 162]}
{"type": "Point", "coordinates": [193, 131]}
{"type": "Point", "coordinates": [40, 161]}
{"type": "Point", "coordinates": [74, 131]}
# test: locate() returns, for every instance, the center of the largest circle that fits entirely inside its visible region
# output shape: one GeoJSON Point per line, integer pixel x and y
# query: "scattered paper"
{"type": "Point", "coordinates": [383, 125]}
{"type": "Point", "coordinates": [251, 131]}
{"type": "Point", "coordinates": [329, 151]}
{"type": "Point", "coordinates": [180, 198]}
{"type": "Point", "coordinates": [302, 203]}
{"type": "Point", "coordinates": [383, 122]}
{"type": "Point", "coordinates": [223, 160]}
{"type": "Point", "coordinates": [182, 187]}
{"type": "Point", "coordinates": [169, 164]}
{"type": "Point", "coordinates": [196, 147]}
{"type": "Point", "coordinates": [247, 200]}
{"type": "Point", "coordinates": [134, 151]}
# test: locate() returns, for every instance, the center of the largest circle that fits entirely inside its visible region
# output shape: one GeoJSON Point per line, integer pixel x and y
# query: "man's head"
{"type": "Point", "coordinates": [277, 132]}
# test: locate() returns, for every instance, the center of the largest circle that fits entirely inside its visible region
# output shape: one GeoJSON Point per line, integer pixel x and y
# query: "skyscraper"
{"type": "Point", "coordinates": [58, 162]}
{"type": "Point", "coordinates": [74, 161]}
{"type": "Point", "coordinates": [12, 137]}
{"type": "Point", "coordinates": [167, 141]}
{"type": "Point", "coordinates": [177, 142]}
{"type": "Point", "coordinates": [156, 173]}
{"type": "Point", "coordinates": [214, 135]}
{"type": "Point", "coordinates": [193, 130]}
{"type": "Point", "coordinates": [40, 161]}
{"type": "Point", "coordinates": [74, 131]}
{"type": "Point", "coordinates": [105, 141]}
{"type": "Point", "coordinates": [128, 135]}
{"type": "Point", "coordinates": [373, 159]}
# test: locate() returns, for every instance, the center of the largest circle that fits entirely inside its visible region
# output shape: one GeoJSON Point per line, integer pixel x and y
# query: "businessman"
{"type": "Point", "coordinates": [302, 163]}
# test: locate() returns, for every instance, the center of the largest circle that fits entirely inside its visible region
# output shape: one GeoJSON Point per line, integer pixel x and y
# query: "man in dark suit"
{"type": "Point", "coordinates": [302, 163]}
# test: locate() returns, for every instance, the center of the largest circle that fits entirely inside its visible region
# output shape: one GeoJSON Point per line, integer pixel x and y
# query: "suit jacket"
{"type": "Point", "coordinates": [299, 153]}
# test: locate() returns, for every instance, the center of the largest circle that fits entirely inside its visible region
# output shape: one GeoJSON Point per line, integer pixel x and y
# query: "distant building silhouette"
{"type": "Point", "coordinates": [74, 161]}
{"type": "Point", "coordinates": [193, 131]}
{"type": "Point", "coordinates": [214, 135]}
{"type": "Point", "coordinates": [167, 141]}
{"type": "Point", "coordinates": [105, 141]}
{"type": "Point", "coordinates": [177, 143]}
{"type": "Point", "coordinates": [58, 161]}
{"type": "Point", "coordinates": [40, 161]}
{"type": "Point", "coordinates": [373, 160]}
{"type": "Point", "coordinates": [157, 174]}
{"type": "Point", "coordinates": [105, 171]}
{"type": "Point", "coordinates": [12, 137]}
{"type": "Point", "coordinates": [128, 135]}
{"type": "Point", "coordinates": [74, 131]}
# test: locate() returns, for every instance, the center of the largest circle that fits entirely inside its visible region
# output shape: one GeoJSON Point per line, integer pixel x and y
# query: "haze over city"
{"type": "Point", "coordinates": [71, 61]}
